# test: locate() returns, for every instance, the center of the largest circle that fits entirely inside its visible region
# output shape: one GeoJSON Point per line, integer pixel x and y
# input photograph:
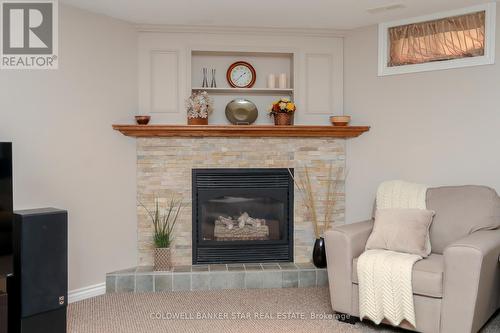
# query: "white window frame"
{"type": "Point", "coordinates": [489, 48]}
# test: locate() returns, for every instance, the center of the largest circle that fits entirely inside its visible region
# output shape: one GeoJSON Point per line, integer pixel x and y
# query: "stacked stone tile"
{"type": "Point", "coordinates": [164, 168]}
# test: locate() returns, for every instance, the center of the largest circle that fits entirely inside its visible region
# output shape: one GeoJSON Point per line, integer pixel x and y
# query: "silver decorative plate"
{"type": "Point", "coordinates": [241, 111]}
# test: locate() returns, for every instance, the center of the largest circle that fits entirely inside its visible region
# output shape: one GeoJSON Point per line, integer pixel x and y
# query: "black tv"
{"type": "Point", "coordinates": [6, 201]}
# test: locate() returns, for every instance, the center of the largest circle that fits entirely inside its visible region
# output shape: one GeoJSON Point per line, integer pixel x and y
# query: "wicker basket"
{"type": "Point", "coordinates": [197, 121]}
{"type": "Point", "coordinates": [163, 259]}
{"type": "Point", "coordinates": [282, 118]}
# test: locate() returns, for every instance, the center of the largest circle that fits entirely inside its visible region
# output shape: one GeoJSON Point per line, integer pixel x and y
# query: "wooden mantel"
{"type": "Point", "coordinates": [240, 131]}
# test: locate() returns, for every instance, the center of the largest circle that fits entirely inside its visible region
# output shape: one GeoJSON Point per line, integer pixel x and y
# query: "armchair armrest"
{"type": "Point", "coordinates": [471, 282]}
{"type": "Point", "coordinates": [343, 244]}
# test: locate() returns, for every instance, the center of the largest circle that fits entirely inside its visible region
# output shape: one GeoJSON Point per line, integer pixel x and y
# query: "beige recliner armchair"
{"type": "Point", "coordinates": [457, 288]}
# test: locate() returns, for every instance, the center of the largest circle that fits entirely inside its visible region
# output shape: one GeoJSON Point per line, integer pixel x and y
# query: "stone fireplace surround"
{"type": "Point", "coordinates": [164, 168]}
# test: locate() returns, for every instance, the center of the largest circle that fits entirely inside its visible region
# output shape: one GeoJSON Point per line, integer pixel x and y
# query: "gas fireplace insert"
{"type": "Point", "coordinates": [242, 215]}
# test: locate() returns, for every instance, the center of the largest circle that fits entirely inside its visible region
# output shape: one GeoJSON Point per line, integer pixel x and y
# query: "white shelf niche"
{"type": "Point", "coordinates": [265, 63]}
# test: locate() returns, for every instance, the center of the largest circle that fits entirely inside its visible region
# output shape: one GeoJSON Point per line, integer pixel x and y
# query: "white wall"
{"type": "Point", "coordinates": [438, 128]}
{"type": "Point", "coordinates": [65, 153]}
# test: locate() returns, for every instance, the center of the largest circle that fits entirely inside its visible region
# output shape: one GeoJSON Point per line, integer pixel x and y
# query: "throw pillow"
{"type": "Point", "coordinates": [401, 230]}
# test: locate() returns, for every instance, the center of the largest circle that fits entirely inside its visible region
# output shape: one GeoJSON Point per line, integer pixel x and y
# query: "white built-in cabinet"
{"type": "Point", "coordinates": [170, 69]}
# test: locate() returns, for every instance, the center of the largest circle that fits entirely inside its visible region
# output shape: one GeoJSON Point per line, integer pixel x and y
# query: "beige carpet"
{"type": "Point", "coordinates": [255, 311]}
{"type": "Point", "coordinates": [259, 311]}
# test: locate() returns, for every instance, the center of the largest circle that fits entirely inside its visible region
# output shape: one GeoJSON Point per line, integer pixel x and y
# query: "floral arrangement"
{"type": "Point", "coordinates": [199, 105]}
{"type": "Point", "coordinates": [283, 105]}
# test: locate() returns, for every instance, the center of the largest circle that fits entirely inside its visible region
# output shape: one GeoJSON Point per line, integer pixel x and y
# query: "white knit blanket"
{"type": "Point", "coordinates": [385, 289]}
{"type": "Point", "coordinates": [400, 194]}
{"type": "Point", "coordinates": [385, 277]}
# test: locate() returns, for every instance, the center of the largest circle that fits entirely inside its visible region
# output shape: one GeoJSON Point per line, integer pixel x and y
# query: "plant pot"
{"type": "Point", "coordinates": [283, 118]}
{"type": "Point", "coordinates": [198, 121]}
{"type": "Point", "coordinates": [319, 253]}
{"type": "Point", "coordinates": [162, 259]}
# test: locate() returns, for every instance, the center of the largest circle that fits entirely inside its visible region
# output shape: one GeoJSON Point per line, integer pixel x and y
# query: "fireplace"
{"type": "Point", "coordinates": [242, 215]}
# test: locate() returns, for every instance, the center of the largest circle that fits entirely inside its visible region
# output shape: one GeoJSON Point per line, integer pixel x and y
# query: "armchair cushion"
{"type": "Point", "coordinates": [427, 276]}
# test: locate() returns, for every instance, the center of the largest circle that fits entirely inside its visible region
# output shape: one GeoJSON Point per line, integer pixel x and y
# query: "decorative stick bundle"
{"type": "Point", "coordinates": [304, 185]}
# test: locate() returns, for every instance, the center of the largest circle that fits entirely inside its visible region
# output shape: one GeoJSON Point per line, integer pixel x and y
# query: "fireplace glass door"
{"type": "Point", "coordinates": [249, 215]}
{"type": "Point", "coordinates": [242, 212]}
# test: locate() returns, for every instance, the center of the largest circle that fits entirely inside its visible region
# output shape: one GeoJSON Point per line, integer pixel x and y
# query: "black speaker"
{"type": "Point", "coordinates": [5, 198]}
{"type": "Point", "coordinates": [38, 288]}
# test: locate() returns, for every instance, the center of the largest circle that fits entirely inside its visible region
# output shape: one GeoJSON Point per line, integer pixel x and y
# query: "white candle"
{"type": "Point", "coordinates": [271, 81]}
{"type": "Point", "coordinates": [282, 81]}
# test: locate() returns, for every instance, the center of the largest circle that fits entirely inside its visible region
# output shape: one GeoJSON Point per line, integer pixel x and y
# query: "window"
{"type": "Point", "coordinates": [449, 40]}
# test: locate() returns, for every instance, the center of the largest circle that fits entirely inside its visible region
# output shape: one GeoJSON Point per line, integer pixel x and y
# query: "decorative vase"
{"type": "Point", "coordinates": [162, 259]}
{"type": "Point", "coordinates": [198, 121]}
{"type": "Point", "coordinates": [319, 254]}
{"type": "Point", "coordinates": [283, 118]}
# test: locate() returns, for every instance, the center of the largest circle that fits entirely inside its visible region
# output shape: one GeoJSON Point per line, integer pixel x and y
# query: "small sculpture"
{"type": "Point", "coordinates": [205, 80]}
{"type": "Point", "coordinates": [213, 84]}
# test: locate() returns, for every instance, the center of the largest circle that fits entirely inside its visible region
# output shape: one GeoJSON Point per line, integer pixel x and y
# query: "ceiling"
{"type": "Point", "coordinates": [326, 14]}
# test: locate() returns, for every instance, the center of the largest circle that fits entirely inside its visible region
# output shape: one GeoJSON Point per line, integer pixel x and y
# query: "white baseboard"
{"type": "Point", "coordinates": [86, 292]}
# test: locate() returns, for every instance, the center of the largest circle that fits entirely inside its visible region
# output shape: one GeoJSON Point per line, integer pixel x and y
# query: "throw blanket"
{"type": "Point", "coordinates": [385, 289]}
{"type": "Point", "coordinates": [400, 194]}
{"type": "Point", "coordinates": [385, 277]}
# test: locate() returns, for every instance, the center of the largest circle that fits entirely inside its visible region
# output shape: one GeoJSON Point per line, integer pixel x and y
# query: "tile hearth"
{"type": "Point", "coordinates": [218, 276]}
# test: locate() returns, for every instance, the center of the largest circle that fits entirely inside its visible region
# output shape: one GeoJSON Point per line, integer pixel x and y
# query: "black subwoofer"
{"type": "Point", "coordinates": [38, 288]}
{"type": "Point", "coordinates": [5, 199]}
{"type": "Point", "coordinates": [3, 313]}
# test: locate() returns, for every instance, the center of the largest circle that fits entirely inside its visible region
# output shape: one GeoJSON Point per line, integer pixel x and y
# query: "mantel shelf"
{"type": "Point", "coordinates": [240, 131]}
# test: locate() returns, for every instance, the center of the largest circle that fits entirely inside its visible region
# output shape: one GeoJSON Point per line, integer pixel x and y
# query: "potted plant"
{"type": "Point", "coordinates": [282, 110]}
{"type": "Point", "coordinates": [163, 220]}
{"type": "Point", "coordinates": [304, 185]}
{"type": "Point", "coordinates": [199, 106]}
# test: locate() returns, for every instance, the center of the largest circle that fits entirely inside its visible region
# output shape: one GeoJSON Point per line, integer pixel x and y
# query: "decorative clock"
{"type": "Point", "coordinates": [241, 75]}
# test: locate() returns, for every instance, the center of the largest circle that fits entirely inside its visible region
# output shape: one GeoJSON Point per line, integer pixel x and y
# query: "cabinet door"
{"type": "Point", "coordinates": [164, 81]}
{"type": "Point", "coordinates": [162, 73]}
{"type": "Point", "coordinates": [322, 87]}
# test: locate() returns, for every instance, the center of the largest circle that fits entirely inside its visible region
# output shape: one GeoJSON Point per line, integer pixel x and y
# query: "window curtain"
{"type": "Point", "coordinates": [444, 39]}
